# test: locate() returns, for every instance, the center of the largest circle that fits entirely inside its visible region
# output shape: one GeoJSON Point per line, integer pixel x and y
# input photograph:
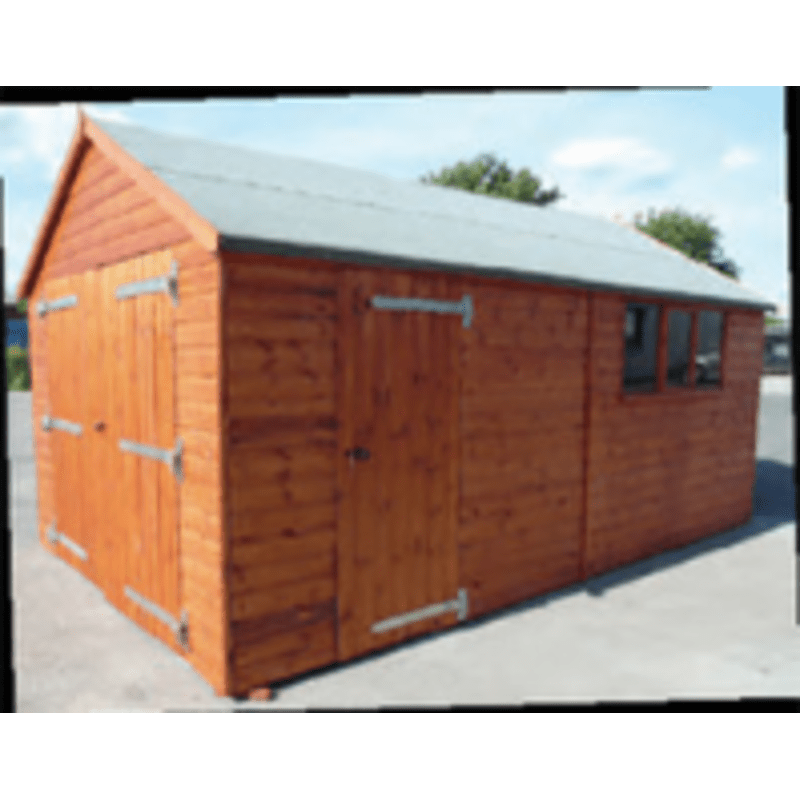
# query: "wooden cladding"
{"type": "Point", "coordinates": [111, 371]}
{"type": "Point", "coordinates": [681, 456]}
{"type": "Point", "coordinates": [66, 396]}
{"type": "Point", "coordinates": [397, 548]}
{"type": "Point", "coordinates": [522, 443]}
{"type": "Point", "coordinates": [106, 218]}
{"type": "Point", "coordinates": [111, 365]}
{"type": "Point", "coordinates": [280, 395]}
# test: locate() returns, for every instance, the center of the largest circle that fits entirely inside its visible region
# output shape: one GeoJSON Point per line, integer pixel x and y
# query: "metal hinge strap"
{"type": "Point", "coordinates": [172, 458]}
{"type": "Point", "coordinates": [44, 306]}
{"type": "Point", "coordinates": [180, 627]}
{"type": "Point", "coordinates": [48, 423]}
{"type": "Point", "coordinates": [459, 605]}
{"type": "Point", "coordinates": [163, 283]}
{"type": "Point", "coordinates": [463, 306]}
{"type": "Point", "coordinates": [55, 537]}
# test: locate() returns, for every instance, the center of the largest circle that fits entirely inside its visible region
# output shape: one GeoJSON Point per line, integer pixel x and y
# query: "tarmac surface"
{"type": "Point", "coordinates": [715, 620]}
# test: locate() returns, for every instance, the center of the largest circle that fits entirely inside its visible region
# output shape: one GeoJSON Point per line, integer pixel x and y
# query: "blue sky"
{"type": "Point", "coordinates": [720, 152]}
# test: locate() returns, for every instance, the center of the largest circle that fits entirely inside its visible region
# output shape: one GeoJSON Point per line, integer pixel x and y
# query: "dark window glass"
{"type": "Point", "coordinates": [709, 341]}
{"type": "Point", "coordinates": [641, 347]}
{"type": "Point", "coordinates": [680, 341]}
{"type": "Point", "coordinates": [634, 325]}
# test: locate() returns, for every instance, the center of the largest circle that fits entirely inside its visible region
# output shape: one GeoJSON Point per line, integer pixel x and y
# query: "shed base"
{"type": "Point", "coordinates": [262, 693]}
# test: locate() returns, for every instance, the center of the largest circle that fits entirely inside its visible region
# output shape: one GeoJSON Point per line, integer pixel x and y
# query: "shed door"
{"type": "Point", "coordinates": [141, 436]}
{"type": "Point", "coordinates": [71, 530]}
{"type": "Point", "coordinates": [397, 539]}
{"type": "Point", "coordinates": [112, 397]}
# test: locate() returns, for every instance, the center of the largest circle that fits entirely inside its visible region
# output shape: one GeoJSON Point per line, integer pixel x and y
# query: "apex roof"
{"type": "Point", "coordinates": [260, 202]}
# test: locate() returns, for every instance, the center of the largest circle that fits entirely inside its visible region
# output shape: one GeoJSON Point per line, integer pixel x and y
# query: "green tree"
{"type": "Point", "coordinates": [693, 235]}
{"type": "Point", "coordinates": [22, 306]}
{"type": "Point", "coordinates": [18, 371]}
{"type": "Point", "coordinates": [488, 175]}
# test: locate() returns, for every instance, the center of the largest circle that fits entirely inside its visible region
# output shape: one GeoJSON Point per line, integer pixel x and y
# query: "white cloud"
{"type": "Point", "coordinates": [46, 133]}
{"type": "Point", "coordinates": [737, 157]}
{"type": "Point", "coordinates": [611, 152]}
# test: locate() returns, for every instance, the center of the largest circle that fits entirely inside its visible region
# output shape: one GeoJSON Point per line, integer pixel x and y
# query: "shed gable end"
{"type": "Point", "coordinates": [105, 217]}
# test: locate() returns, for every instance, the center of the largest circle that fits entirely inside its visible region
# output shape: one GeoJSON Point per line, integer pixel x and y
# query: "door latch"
{"type": "Point", "coordinates": [358, 454]}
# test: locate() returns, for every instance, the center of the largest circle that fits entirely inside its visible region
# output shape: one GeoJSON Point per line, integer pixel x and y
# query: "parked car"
{"type": "Point", "coordinates": [777, 349]}
{"type": "Point", "coordinates": [17, 333]}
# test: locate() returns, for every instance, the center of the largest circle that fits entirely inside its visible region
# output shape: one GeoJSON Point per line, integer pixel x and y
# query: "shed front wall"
{"type": "Point", "coordinates": [512, 388]}
{"type": "Point", "coordinates": [107, 222]}
{"type": "Point", "coordinates": [543, 498]}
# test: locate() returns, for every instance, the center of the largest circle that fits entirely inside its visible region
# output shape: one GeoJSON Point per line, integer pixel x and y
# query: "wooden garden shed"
{"type": "Point", "coordinates": [288, 413]}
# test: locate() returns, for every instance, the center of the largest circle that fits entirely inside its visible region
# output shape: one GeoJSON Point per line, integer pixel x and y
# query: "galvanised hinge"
{"type": "Point", "coordinates": [45, 306]}
{"type": "Point", "coordinates": [163, 283]}
{"type": "Point", "coordinates": [463, 307]}
{"type": "Point", "coordinates": [172, 458]}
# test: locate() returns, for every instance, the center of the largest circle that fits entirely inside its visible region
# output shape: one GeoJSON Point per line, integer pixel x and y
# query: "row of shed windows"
{"type": "Point", "coordinates": [642, 322]}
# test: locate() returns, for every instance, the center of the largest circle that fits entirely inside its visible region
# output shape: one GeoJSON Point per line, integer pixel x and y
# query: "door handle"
{"type": "Point", "coordinates": [358, 454]}
{"type": "Point", "coordinates": [99, 425]}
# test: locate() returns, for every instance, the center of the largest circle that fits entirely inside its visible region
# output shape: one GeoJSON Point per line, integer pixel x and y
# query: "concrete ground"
{"type": "Point", "coordinates": [714, 620]}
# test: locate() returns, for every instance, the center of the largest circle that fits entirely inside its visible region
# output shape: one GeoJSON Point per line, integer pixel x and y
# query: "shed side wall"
{"type": "Point", "coordinates": [522, 442]}
{"type": "Point", "coordinates": [667, 470]}
{"type": "Point", "coordinates": [280, 323]}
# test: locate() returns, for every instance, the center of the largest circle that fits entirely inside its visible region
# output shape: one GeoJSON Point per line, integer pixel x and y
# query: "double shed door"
{"type": "Point", "coordinates": [397, 559]}
{"type": "Point", "coordinates": [111, 384]}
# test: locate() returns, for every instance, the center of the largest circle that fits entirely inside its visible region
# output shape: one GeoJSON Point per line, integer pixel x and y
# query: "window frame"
{"type": "Point", "coordinates": [629, 391]}
{"type": "Point", "coordinates": [663, 390]}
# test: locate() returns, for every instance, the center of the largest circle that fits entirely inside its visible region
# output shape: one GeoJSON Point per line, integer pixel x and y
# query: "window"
{"type": "Point", "coordinates": [641, 347]}
{"type": "Point", "coordinates": [665, 343]}
{"type": "Point", "coordinates": [634, 325]}
{"type": "Point", "coordinates": [679, 337]}
{"type": "Point", "coordinates": [709, 341]}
